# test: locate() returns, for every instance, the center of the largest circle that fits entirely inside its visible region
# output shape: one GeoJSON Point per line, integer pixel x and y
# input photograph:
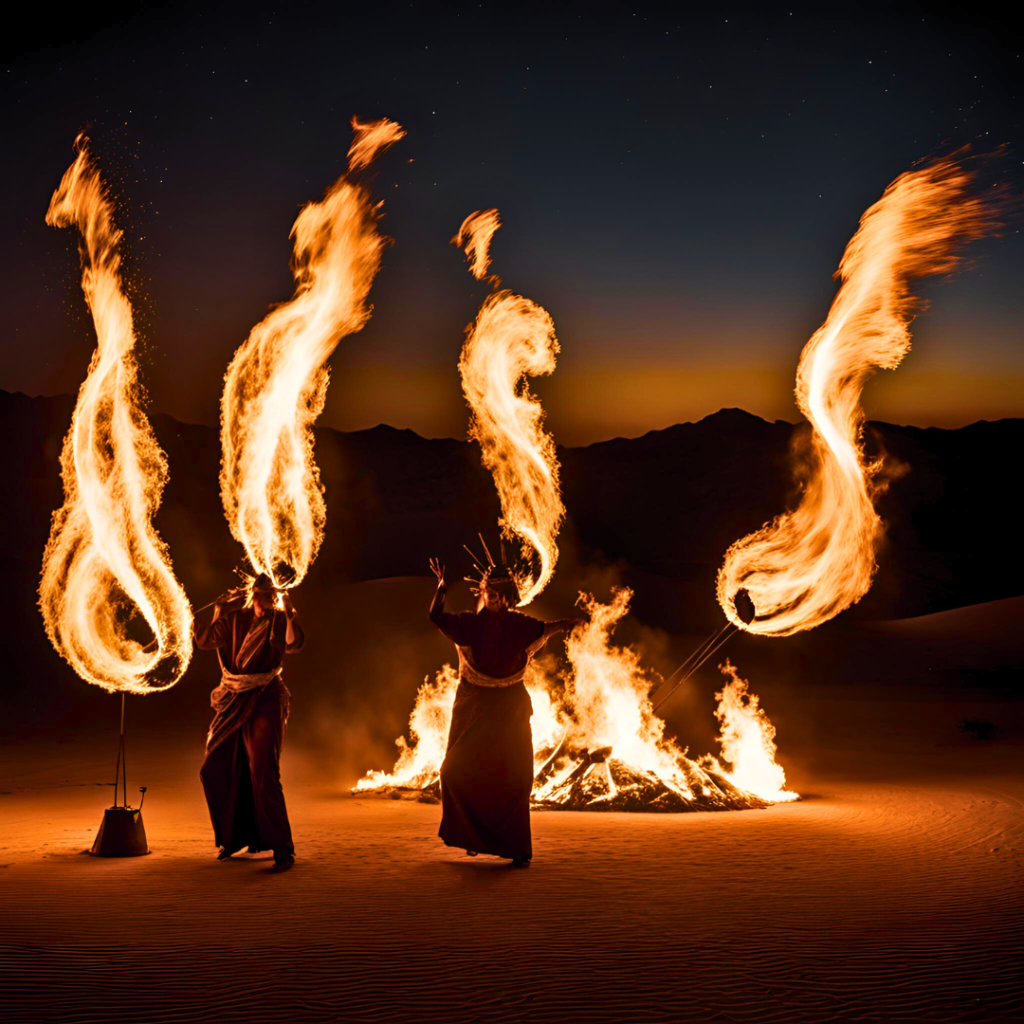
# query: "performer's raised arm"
{"type": "Point", "coordinates": [216, 633]}
{"type": "Point", "coordinates": [448, 623]}
{"type": "Point", "coordinates": [294, 637]}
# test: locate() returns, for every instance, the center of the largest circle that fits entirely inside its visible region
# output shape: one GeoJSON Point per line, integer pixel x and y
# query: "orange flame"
{"type": "Point", "coordinates": [748, 742]}
{"type": "Point", "coordinates": [810, 564]}
{"type": "Point", "coordinates": [475, 236]}
{"type": "Point", "coordinates": [276, 385]}
{"type": "Point", "coordinates": [511, 339]}
{"type": "Point", "coordinates": [106, 575]}
{"type": "Point", "coordinates": [607, 693]}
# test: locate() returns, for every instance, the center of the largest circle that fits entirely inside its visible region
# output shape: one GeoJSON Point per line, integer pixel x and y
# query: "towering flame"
{"type": "Point", "coordinates": [608, 693]}
{"type": "Point", "coordinates": [511, 339]}
{"type": "Point", "coordinates": [808, 565]}
{"type": "Point", "coordinates": [276, 384]}
{"type": "Point", "coordinates": [112, 606]}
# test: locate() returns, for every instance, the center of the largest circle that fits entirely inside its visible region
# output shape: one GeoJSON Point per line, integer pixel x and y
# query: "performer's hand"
{"type": "Point", "coordinates": [218, 611]}
{"type": "Point", "coordinates": [289, 608]}
{"type": "Point", "coordinates": [438, 570]}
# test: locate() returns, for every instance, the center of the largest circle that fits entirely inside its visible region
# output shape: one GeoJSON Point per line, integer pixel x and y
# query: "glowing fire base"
{"type": "Point", "coordinates": [595, 781]}
{"type": "Point", "coordinates": [122, 834]}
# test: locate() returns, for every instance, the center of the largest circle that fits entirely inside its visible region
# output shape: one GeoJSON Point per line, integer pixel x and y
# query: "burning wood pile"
{"type": "Point", "coordinates": [595, 780]}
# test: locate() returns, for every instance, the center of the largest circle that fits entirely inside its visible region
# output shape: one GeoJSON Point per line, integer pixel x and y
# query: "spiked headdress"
{"type": "Point", "coordinates": [490, 574]}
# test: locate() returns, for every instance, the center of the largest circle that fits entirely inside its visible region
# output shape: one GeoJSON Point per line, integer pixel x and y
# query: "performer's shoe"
{"type": "Point", "coordinates": [283, 862]}
{"type": "Point", "coordinates": [223, 853]}
{"type": "Point", "coordinates": [471, 853]}
{"type": "Point", "coordinates": [521, 862]}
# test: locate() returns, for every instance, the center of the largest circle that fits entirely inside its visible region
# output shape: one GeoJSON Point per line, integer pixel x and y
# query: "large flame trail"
{"type": "Point", "coordinates": [808, 565]}
{"type": "Point", "coordinates": [597, 741]}
{"type": "Point", "coordinates": [107, 586]}
{"type": "Point", "coordinates": [276, 385]}
{"type": "Point", "coordinates": [511, 339]}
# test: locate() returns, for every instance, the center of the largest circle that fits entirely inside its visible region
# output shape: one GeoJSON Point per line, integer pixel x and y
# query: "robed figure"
{"type": "Point", "coordinates": [242, 771]}
{"type": "Point", "coordinates": [487, 774]}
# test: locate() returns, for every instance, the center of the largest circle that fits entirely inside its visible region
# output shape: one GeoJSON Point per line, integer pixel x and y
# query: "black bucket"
{"type": "Point", "coordinates": [122, 834]}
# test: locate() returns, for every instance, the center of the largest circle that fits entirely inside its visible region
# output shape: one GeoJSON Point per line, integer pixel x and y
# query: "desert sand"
{"type": "Point", "coordinates": [891, 892]}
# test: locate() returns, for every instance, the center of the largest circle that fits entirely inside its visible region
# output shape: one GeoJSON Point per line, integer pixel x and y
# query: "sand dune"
{"type": "Point", "coordinates": [890, 901]}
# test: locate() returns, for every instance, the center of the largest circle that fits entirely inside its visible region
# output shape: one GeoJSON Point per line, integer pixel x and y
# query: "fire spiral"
{"type": "Point", "coordinates": [511, 339]}
{"type": "Point", "coordinates": [810, 564]}
{"type": "Point", "coordinates": [111, 604]}
{"type": "Point", "coordinates": [276, 385]}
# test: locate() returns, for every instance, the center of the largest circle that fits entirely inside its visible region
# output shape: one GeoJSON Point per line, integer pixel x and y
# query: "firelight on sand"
{"type": "Point", "coordinates": [810, 564]}
{"type": "Point", "coordinates": [598, 744]}
{"type": "Point", "coordinates": [511, 339]}
{"type": "Point", "coordinates": [112, 606]}
{"type": "Point", "coordinates": [276, 385]}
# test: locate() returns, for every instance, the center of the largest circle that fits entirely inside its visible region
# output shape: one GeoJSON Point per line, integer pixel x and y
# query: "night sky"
{"type": "Point", "coordinates": [676, 189]}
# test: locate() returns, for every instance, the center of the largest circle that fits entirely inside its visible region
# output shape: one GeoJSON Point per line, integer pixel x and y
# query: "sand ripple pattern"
{"type": "Point", "coordinates": [868, 903]}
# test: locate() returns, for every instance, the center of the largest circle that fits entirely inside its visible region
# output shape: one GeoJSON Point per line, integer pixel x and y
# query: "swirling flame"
{"type": "Point", "coordinates": [276, 385]}
{"type": "Point", "coordinates": [810, 564]}
{"type": "Point", "coordinates": [513, 338]}
{"type": "Point", "coordinates": [105, 569]}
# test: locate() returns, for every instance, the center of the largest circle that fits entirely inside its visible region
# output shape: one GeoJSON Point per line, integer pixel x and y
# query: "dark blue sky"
{"type": "Point", "coordinates": [676, 189]}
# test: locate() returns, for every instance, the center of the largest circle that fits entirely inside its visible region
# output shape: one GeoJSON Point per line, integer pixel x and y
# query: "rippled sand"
{"type": "Point", "coordinates": [882, 896]}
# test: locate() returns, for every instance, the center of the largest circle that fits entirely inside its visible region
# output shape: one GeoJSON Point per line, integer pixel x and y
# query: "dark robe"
{"type": "Point", "coordinates": [487, 774]}
{"type": "Point", "coordinates": [242, 771]}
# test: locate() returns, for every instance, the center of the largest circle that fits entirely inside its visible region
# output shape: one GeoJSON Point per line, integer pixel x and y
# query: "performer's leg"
{"type": "Point", "coordinates": [263, 735]}
{"type": "Point", "coordinates": [225, 777]}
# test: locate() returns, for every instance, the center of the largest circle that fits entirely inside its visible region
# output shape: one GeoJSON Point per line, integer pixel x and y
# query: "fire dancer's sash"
{"type": "Point", "coordinates": [469, 673]}
{"type": "Point", "coordinates": [234, 700]}
{"type": "Point", "coordinates": [240, 682]}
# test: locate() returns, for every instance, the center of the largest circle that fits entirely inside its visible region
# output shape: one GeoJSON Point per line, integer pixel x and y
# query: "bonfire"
{"type": "Point", "coordinates": [598, 745]}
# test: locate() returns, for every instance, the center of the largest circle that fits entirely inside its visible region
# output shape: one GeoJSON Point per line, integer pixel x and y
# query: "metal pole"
{"type": "Point", "coordinates": [124, 755]}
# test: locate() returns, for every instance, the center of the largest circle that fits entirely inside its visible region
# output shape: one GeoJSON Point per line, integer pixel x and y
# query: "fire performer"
{"type": "Point", "coordinates": [241, 773]}
{"type": "Point", "coordinates": [487, 774]}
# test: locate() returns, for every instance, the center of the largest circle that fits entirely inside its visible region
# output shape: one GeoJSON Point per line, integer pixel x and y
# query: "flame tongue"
{"type": "Point", "coordinates": [511, 339]}
{"type": "Point", "coordinates": [748, 741]}
{"type": "Point", "coordinates": [276, 385]}
{"type": "Point", "coordinates": [105, 568]}
{"type": "Point", "coordinates": [810, 564]}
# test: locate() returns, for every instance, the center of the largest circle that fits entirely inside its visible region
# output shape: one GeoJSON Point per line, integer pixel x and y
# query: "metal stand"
{"type": "Point", "coordinates": [122, 833]}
